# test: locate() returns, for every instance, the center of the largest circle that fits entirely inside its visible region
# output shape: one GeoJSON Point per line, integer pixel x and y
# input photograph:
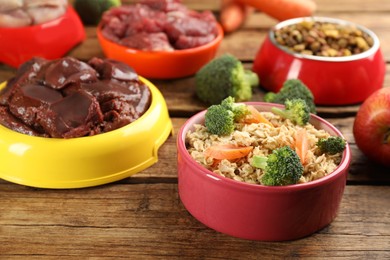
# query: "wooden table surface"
{"type": "Point", "coordinates": [142, 217]}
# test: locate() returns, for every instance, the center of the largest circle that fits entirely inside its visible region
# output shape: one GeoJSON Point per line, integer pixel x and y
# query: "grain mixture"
{"type": "Point", "coordinates": [264, 139]}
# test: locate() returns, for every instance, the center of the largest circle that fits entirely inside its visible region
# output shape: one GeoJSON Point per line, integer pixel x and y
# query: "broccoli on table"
{"type": "Point", "coordinates": [331, 145]}
{"type": "Point", "coordinates": [296, 110]}
{"type": "Point", "coordinates": [220, 119]}
{"type": "Point", "coordinates": [282, 167]}
{"type": "Point", "coordinates": [292, 88]}
{"type": "Point", "coordinates": [223, 77]}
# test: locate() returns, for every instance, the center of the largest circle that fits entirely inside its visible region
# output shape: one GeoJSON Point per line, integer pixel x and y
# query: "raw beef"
{"type": "Point", "coordinates": [159, 26]}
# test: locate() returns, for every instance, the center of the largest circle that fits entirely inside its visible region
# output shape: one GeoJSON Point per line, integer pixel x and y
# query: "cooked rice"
{"type": "Point", "coordinates": [264, 139]}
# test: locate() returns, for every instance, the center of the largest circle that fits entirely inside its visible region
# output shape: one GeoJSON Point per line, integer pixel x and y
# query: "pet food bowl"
{"type": "Point", "coordinates": [162, 64]}
{"type": "Point", "coordinates": [86, 161]}
{"type": "Point", "coordinates": [342, 80]}
{"type": "Point", "coordinates": [257, 212]}
{"type": "Point", "coordinates": [50, 40]}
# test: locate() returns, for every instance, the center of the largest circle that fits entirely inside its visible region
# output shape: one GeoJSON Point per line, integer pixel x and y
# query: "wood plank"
{"type": "Point", "coordinates": [362, 170]}
{"type": "Point", "coordinates": [142, 221]}
{"type": "Point", "coordinates": [182, 101]}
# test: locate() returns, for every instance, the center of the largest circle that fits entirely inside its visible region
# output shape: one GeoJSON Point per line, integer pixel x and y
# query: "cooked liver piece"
{"type": "Point", "coordinates": [67, 98]}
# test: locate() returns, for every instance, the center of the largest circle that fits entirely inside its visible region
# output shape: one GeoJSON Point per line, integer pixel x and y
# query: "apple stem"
{"type": "Point", "coordinates": [386, 138]}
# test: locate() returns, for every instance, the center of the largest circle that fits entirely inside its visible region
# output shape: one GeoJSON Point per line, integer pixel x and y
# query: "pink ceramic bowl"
{"type": "Point", "coordinates": [50, 40]}
{"type": "Point", "coordinates": [249, 211]}
{"type": "Point", "coordinates": [333, 80]}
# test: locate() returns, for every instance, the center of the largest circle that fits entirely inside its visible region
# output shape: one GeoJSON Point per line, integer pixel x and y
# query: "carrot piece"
{"type": "Point", "coordinates": [227, 151]}
{"type": "Point", "coordinates": [283, 9]}
{"type": "Point", "coordinates": [233, 14]}
{"type": "Point", "coordinates": [256, 117]}
{"type": "Point", "coordinates": [301, 144]}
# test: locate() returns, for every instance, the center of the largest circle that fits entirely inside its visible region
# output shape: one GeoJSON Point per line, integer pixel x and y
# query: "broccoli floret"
{"type": "Point", "coordinates": [292, 88]}
{"type": "Point", "coordinates": [220, 119]}
{"type": "Point", "coordinates": [282, 167]}
{"type": "Point", "coordinates": [223, 77]}
{"type": "Point", "coordinates": [331, 145]}
{"type": "Point", "coordinates": [296, 110]}
{"type": "Point", "coordinates": [240, 111]}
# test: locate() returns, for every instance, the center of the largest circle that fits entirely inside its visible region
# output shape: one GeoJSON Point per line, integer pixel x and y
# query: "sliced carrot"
{"type": "Point", "coordinates": [283, 9]}
{"type": "Point", "coordinates": [227, 151]}
{"type": "Point", "coordinates": [301, 144]}
{"type": "Point", "coordinates": [233, 14]}
{"type": "Point", "coordinates": [256, 117]}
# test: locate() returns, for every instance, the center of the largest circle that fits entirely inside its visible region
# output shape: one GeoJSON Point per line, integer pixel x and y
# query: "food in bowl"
{"type": "Point", "coordinates": [19, 13]}
{"type": "Point", "coordinates": [90, 160]}
{"type": "Point", "coordinates": [49, 40]}
{"type": "Point", "coordinates": [321, 38]}
{"type": "Point", "coordinates": [153, 25]}
{"type": "Point", "coordinates": [68, 98]}
{"type": "Point", "coordinates": [256, 138]}
{"type": "Point", "coordinates": [333, 80]}
{"type": "Point", "coordinates": [259, 212]}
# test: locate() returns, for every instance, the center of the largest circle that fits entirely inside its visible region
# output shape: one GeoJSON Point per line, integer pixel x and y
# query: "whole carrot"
{"type": "Point", "coordinates": [283, 9]}
{"type": "Point", "coordinates": [233, 14]}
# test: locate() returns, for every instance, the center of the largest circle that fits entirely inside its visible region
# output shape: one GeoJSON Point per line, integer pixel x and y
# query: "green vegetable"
{"type": "Point", "coordinates": [240, 111]}
{"type": "Point", "coordinates": [296, 110]}
{"type": "Point", "coordinates": [90, 11]}
{"type": "Point", "coordinates": [282, 167]}
{"type": "Point", "coordinates": [223, 77]}
{"type": "Point", "coordinates": [331, 145]}
{"type": "Point", "coordinates": [220, 119]}
{"type": "Point", "coordinates": [292, 88]}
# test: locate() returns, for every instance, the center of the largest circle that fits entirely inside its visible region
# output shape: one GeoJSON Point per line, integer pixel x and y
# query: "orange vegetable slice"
{"type": "Point", "coordinates": [301, 145]}
{"type": "Point", "coordinates": [256, 117]}
{"type": "Point", "coordinates": [227, 151]}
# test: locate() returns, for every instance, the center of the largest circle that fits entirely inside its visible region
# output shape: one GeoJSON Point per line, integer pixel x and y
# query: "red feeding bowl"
{"type": "Point", "coordinates": [257, 212]}
{"type": "Point", "coordinates": [333, 80]}
{"type": "Point", "coordinates": [50, 40]}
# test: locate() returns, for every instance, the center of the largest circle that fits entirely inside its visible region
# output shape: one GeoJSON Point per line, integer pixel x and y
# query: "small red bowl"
{"type": "Point", "coordinates": [259, 212]}
{"type": "Point", "coordinates": [50, 40]}
{"type": "Point", "coordinates": [333, 80]}
{"type": "Point", "coordinates": [162, 64]}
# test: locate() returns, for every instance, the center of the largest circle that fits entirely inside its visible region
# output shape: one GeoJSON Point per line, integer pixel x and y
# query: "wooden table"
{"type": "Point", "coordinates": [142, 217]}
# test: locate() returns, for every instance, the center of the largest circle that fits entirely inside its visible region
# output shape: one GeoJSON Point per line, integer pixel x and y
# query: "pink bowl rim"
{"type": "Point", "coordinates": [341, 169]}
{"type": "Point", "coordinates": [354, 57]}
{"type": "Point", "coordinates": [217, 40]}
{"type": "Point", "coordinates": [55, 21]}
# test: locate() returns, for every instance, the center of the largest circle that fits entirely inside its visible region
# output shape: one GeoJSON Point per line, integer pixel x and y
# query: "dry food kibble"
{"type": "Point", "coordinates": [323, 39]}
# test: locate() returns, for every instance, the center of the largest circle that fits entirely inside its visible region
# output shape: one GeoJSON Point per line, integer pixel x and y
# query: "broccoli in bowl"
{"type": "Point", "coordinates": [264, 144]}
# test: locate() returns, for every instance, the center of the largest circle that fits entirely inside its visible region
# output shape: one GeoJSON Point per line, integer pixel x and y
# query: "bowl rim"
{"type": "Point", "coordinates": [68, 11]}
{"type": "Point", "coordinates": [341, 169]}
{"type": "Point", "coordinates": [201, 48]}
{"type": "Point", "coordinates": [371, 51]}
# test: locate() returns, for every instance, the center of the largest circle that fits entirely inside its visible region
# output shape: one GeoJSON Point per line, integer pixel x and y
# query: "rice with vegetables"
{"type": "Point", "coordinates": [264, 139]}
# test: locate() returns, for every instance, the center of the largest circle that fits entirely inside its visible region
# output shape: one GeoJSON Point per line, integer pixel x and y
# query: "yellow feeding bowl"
{"type": "Point", "coordinates": [86, 161]}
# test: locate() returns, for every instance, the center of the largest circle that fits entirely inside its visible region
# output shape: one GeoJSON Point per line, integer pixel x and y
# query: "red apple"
{"type": "Point", "coordinates": [371, 127]}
